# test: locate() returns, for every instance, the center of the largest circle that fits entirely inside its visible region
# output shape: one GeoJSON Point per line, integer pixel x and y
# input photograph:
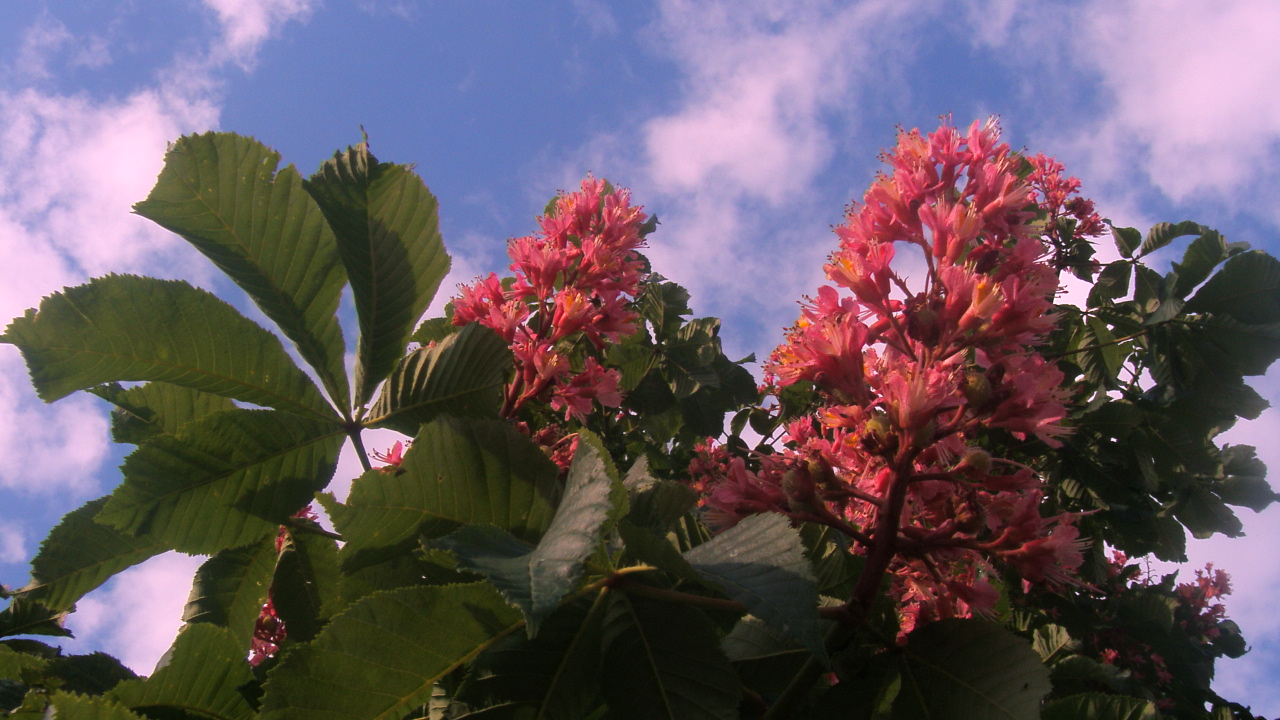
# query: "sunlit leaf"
{"type": "Point", "coordinates": [462, 375]}
{"type": "Point", "coordinates": [387, 230]}
{"type": "Point", "coordinates": [230, 588]}
{"type": "Point", "coordinates": [79, 555]}
{"type": "Point", "coordinates": [225, 480]}
{"type": "Point", "coordinates": [760, 562]}
{"type": "Point", "coordinates": [156, 408]}
{"type": "Point", "coordinates": [123, 327]}
{"type": "Point", "coordinates": [201, 673]}
{"type": "Point", "coordinates": [457, 472]}
{"type": "Point", "coordinates": [221, 192]}
{"type": "Point", "coordinates": [381, 657]}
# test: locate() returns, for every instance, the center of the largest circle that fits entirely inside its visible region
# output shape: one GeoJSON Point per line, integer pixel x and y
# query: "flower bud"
{"type": "Point", "coordinates": [976, 388]}
{"type": "Point", "coordinates": [924, 435]}
{"type": "Point", "coordinates": [976, 461]}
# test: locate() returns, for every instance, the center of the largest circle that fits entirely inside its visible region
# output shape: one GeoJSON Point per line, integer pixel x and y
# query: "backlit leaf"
{"type": "Point", "coordinates": [225, 480]}
{"type": "Point", "coordinates": [381, 657]}
{"type": "Point", "coordinates": [387, 230]}
{"type": "Point", "coordinates": [122, 328]}
{"type": "Point", "coordinates": [221, 192]}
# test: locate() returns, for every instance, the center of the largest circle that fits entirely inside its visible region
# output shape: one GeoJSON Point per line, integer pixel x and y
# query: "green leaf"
{"type": "Point", "coordinates": [305, 589]}
{"type": "Point", "coordinates": [1051, 641]}
{"type": "Point", "coordinates": [387, 229]}
{"type": "Point", "coordinates": [380, 658]}
{"type": "Point", "coordinates": [1112, 283]}
{"type": "Point", "coordinates": [456, 472]}
{"type": "Point", "coordinates": [91, 674]}
{"type": "Point", "coordinates": [434, 330]}
{"type": "Point", "coordinates": [1097, 706]}
{"type": "Point", "coordinates": [662, 304]}
{"type": "Point", "coordinates": [221, 192]}
{"type": "Point", "coordinates": [537, 579]}
{"type": "Point", "coordinates": [230, 588]}
{"type": "Point", "coordinates": [970, 670]}
{"type": "Point", "coordinates": [13, 663]}
{"type": "Point", "coordinates": [1204, 514]}
{"type": "Point", "coordinates": [69, 706]}
{"type": "Point", "coordinates": [462, 375]}
{"type": "Point", "coordinates": [201, 673]}
{"type": "Point", "coordinates": [156, 409]}
{"type": "Point", "coordinates": [28, 617]}
{"type": "Point", "coordinates": [760, 562]}
{"type": "Point", "coordinates": [225, 480]}
{"type": "Point", "coordinates": [1202, 256]}
{"type": "Point", "coordinates": [1127, 240]}
{"type": "Point", "coordinates": [123, 327]}
{"type": "Point", "coordinates": [765, 659]}
{"type": "Point", "coordinates": [1162, 234]}
{"type": "Point", "coordinates": [1246, 481]}
{"type": "Point", "coordinates": [663, 661]}
{"type": "Point", "coordinates": [647, 546]}
{"type": "Point", "coordinates": [552, 676]}
{"type": "Point", "coordinates": [80, 554]}
{"type": "Point", "coordinates": [1247, 288]}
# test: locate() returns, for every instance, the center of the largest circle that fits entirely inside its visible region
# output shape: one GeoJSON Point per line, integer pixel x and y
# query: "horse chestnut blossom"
{"type": "Point", "coordinates": [575, 279]}
{"type": "Point", "coordinates": [914, 372]}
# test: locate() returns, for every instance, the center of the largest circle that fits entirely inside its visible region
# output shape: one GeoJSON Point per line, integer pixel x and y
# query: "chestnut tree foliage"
{"type": "Point", "coordinates": [927, 509]}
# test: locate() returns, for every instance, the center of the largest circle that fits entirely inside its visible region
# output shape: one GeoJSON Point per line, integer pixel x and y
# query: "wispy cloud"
{"type": "Point", "coordinates": [246, 24]}
{"type": "Point", "coordinates": [735, 165]}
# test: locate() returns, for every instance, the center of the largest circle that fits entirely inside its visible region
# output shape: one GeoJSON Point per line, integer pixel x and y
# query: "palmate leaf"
{"type": "Point", "coordinates": [123, 327]}
{"type": "Point", "coordinates": [80, 554]}
{"type": "Point", "coordinates": [969, 670]}
{"type": "Point", "coordinates": [457, 472]}
{"type": "Point", "coordinates": [537, 578]}
{"type": "Point", "coordinates": [386, 224]}
{"type": "Point", "coordinates": [221, 192]}
{"type": "Point", "coordinates": [230, 588]}
{"type": "Point", "coordinates": [379, 659]}
{"type": "Point", "coordinates": [551, 677]}
{"type": "Point", "coordinates": [462, 375]}
{"type": "Point", "coordinates": [760, 562]}
{"type": "Point", "coordinates": [663, 661]}
{"type": "Point", "coordinates": [225, 480]}
{"type": "Point", "coordinates": [200, 674]}
{"type": "Point", "coordinates": [92, 674]}
{"type": "Point", "coordinates": [156, 409]}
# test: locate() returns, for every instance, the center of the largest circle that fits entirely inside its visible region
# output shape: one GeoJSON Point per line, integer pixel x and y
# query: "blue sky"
{"type": "Point", "coordinates": [746, 126]}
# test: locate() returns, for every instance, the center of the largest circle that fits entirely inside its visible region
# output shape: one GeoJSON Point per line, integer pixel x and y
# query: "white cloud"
{"type": "Point", "coordinates": [13, 544]}
{"type": "Point", "coordinates": [71, 165]}
{"type": "Point", "coordinates": [136, 615]}
{"type": "Point", "coordinates": [247, 23]}
{"type": "Point", "coordinates": [736, 164]}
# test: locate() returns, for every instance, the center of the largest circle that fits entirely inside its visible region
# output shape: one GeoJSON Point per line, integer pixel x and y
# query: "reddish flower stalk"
{"type": "Point", "coordinates": [910, 378]}
{"type": "Point", "coordinates": [575, 279]}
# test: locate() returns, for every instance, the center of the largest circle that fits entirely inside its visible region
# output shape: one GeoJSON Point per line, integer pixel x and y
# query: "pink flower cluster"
{"type": "Point", "coordinates": [915, 371]}
{"type": "Point", "coordinates": [576, 278]}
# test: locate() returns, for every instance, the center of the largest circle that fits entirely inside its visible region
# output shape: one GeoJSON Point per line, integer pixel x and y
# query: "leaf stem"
{"type": "Point", "coordinates": [358, 444]}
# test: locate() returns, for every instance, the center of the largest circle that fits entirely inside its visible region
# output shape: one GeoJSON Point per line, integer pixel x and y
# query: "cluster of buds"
{"type": "Point", "coordinates": [913, 380]}
{"type": "Point", "coordinates": [575, 279]}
